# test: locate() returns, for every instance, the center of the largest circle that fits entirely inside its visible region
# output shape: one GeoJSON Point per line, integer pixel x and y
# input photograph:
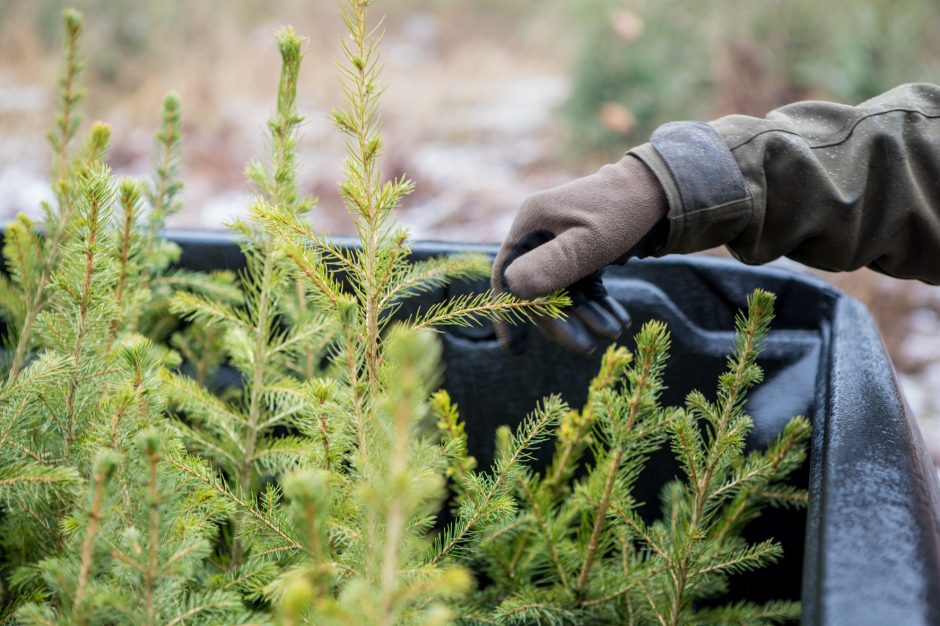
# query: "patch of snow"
{"type": "Point", "coordinates": [22, 191]}
{"type": "Point", "coordinates": [221, 208]}
{"type": "Point", "coordinates": [519, 108]}
{"type": "Point", "coordinates": [22, 98]}
{"type": "Point", "coordinates": [464, 166]}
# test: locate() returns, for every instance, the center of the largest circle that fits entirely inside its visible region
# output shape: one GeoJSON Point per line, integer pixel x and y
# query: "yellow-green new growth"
{"type": "Point", "coordinates": [278, 183]}
{"type": "Point", "coordinates": [166, 186]}
{"type": "Point", "coordinates": [70, 94]}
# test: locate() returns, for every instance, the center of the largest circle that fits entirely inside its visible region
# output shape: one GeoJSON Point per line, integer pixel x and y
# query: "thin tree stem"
{"type": "Point", "coordinates": [246, 468]}
{"type": "Point", "coordinates": [126, 234]}
{"type": "Point", "coordinates": [82, 322]}
{"type": "Point", "coordinates": [94, 518]}
{"type": "Point", "coordinates": [150, 574]}
{"type": "Point", "coordinates": [681, 573]}
{"type": "Point", "coordinates": [546, 533]}
{"type": "Point", "coordinates": [68, 98]}
{"type": "Point", "coordinates": [636, 402]}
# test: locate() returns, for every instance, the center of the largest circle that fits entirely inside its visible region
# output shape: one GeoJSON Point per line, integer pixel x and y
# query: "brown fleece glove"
{"type": "Point", "coordinates": [564, 236]}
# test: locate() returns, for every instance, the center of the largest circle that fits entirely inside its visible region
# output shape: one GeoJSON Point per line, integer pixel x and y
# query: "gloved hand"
{"type": "Point", "coordinates": [563, 237]}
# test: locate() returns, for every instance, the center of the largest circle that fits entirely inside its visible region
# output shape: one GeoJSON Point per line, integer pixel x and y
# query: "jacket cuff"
{"type": "Point", "coordinates": [709, 203]}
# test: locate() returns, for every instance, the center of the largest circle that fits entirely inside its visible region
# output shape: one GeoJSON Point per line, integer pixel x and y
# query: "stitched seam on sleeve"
{"type": "Point", "coordinates": [848, 132]}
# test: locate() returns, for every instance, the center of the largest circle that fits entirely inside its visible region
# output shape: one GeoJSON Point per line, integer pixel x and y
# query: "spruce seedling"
{"type": "Point", "coordinates": [577, 550]}
{"type": "Point", "coordinates": [339, 306]}
{"type": "Point", "coordinates": [36, 259]}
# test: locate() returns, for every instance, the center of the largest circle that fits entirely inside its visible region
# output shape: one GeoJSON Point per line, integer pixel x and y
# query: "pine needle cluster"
{"type": "Point", "coordinates": [137, 489]}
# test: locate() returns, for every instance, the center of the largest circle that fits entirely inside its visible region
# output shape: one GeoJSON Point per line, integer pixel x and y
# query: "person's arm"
{"type": "Point", "coordinates": [835, 187]}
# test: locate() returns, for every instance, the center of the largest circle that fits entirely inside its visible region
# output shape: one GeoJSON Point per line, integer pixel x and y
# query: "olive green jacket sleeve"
{"type": "Point", "coordinates": [835, 187]}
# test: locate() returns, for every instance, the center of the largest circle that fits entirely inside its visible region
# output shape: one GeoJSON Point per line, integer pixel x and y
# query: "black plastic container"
{"type": "Point", "coordinates": [867, 549]}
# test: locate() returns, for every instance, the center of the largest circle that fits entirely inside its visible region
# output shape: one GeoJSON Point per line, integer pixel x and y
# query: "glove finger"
{"type": "Point", "coordinates": [570, 333]}
{"type": "Point", "coordinates": [509, 253]}
{"type": "Point", "coordinates": [617, 311]}
{"type": "Point", "coordinates": [598, 320]}
{"type": "Point", "coordinates": [549, 267]}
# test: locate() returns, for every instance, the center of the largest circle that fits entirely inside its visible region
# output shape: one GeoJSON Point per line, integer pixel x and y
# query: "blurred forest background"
{"type": "Point", "coordinates": [487, 101]}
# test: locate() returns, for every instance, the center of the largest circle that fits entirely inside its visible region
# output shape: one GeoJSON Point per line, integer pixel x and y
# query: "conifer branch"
{"type": "Point", "coordinates": [12, 476]}
{"type": "Point", "coordinates": [752, 330]}
{"type": "Point", "coordinates": [21, 249]}
{"type": "Point", "coordinates": [204, 406]}
{"type": "Point", "coordinates": [208, 604]}
{"type": "Point", "coordinates": [244, 506]}
{"type": "Point", "coordinates": [320, 277]}
{"type": "Point", "coordinates": [534, 607]}
{"type": "Point", "coordinates": [469, 310]}
{"type": "Point", "coordinates": [162, 192]}
{"type": "Point", "coordinates": [775, 612]}
{"type": "Point", "coordinates": [59, 227]}
{"type": "Point", "coordinates": [97, 197]}
{"type": "Point", "coordinates": [166, 185]}
{"type": "Point", "coordinates": [19, 357]}
{"type": "Point", "coordinates": [574, 431]}
{"type": "Point", "coordinates": [742, 373]}
{"type": "Point", "coordinates": [263, 273]}
{"type": "Point", "coordinates": [738, 561]}
{"type": "Point", "coordinates": [315, 328]}
{"type": "Point", "coordinates": [454, 437]}
{"type": "Point", "coordinates": [150, 571]}
{"type": "Point", "coordinates": [637, 579]}
{"type": "Point", "coordinates": [786, 454]}
{"type": "Point", "coordinates": [546, 532]}
{"type": "Point", "coordinates": [70, 94]}
{"type": "Point", "coordinates": [279, 186]}
{"type": "Point", "coordinates": [295, 233]}
{"type": "Point", "coordinates": [129, 200]}
{"type": "Point", "coordinates": [424, 276]}
{"type": "Point", "coordinates": [369, 201]}
{"type": "Point", "coordinates": [191, 306]}
{"type": "Point", "coordinates": [260, 332]}
{"type": "Point", "coordinates": [351, 366]}
{"type": "Point", "coordinates": [489, 489]}
{"type": "Point", "coordinates": [104, 469]}
{"type": "Point", "coordinates": [219, 285]}
{"type": "Point", "coordinates": [652, 344]}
